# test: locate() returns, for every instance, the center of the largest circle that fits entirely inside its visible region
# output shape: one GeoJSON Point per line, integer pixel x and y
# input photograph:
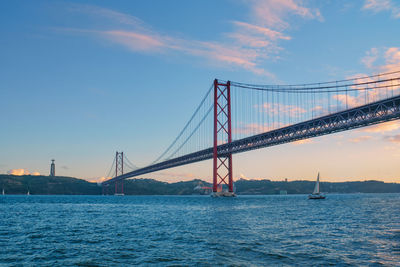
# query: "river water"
{"type": "Point", "coordinates": [352, 229]}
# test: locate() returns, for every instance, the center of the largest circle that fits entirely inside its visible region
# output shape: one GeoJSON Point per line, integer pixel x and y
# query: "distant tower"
{"type": "Point", "coordinates": [52, 168]}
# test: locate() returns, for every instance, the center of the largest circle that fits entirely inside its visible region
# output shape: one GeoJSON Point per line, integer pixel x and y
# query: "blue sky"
{"type": "Point", "coordinates": [82, 79]}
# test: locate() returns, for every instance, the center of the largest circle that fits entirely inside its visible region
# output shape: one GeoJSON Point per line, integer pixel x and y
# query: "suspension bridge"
{"type": "Point", "coordinates": [236, 117]}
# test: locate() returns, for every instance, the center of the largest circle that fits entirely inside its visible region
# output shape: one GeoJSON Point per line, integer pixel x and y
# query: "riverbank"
{"type": "Point", "coordinates": [58, 185]}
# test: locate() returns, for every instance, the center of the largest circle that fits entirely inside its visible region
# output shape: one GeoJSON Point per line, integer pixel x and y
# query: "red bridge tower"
{"type": "Point", "coordinates": [119, 170]}
{"type": "Point", "coordinates": [222, 164]}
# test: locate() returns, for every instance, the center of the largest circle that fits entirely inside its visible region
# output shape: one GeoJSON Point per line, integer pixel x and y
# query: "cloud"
{"type": "Point", "coordinates": [392, 58]}
{"type": "Point", "coordinates": [236, 55]}
{"type": "Point", "coordinates": [349, 100]}
{"type": "Point", "coordinates": [99, 179]}
{"type": "Point", "coordinates": [377, 5]}
{"type": "Point", "coordinates": [360, 139]}
{"type": "Point", "coordinates": [256, 128]}
{"type": "Point", "coordinates": [370, 57]}
{"type": "Point", "coordinates": [271, 34]}
{"type": "Point", "coordinates": [135, 41]}
{"type": "Point", "coordinates": [384, 59]}
{"type": "Point", "coordinates": [382, 5]}
{"type": "Point", "coordinates": [18, 172]}
{"type": "Point", "coordinates": [250, 128]}
{"type": "Point", "coordinates": [106, 14]}
{"type": "Point", "coordinates": [222, 54]}
{"type": "Point", "coordinates": [393, 139]}
{"type": "Point", "coordinates": [287, 110]}
{"type": "Point", "coordinates": [274, 13]}
{"type": "Point", "coordinates": [303, 141]}
{"type": "Point", "coordinates": [382, 127]}
{"type": "Point", "coordinates": [268, 20]}
{"type": "Point", "coordinates": [246, 47]}
{"type": "Point", "coordinates": [242, 176]}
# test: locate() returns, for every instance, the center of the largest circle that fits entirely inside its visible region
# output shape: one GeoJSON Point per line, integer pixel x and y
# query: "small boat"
{"type": "Point", "coordinates": [3, 193]}
{"type": "Point", "coordinates": [28, 193]}
{"type": "Point", "coordinates": [316, 194]}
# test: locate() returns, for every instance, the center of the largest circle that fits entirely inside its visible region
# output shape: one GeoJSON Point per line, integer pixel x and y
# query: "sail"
{"type": "Point", "coordinates": [316, 188]}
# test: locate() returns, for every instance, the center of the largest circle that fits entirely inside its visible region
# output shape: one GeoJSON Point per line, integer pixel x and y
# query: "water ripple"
{"type": "Point", "coordinates": [345, 230]}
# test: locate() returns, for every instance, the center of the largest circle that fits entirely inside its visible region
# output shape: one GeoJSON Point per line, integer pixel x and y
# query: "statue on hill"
{"type": "Point", "coordinates": [52, 168]}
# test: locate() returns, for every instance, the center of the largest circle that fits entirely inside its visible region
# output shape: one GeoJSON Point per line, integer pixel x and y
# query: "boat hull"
{"type": "Point", "coordinates": [316, 197]}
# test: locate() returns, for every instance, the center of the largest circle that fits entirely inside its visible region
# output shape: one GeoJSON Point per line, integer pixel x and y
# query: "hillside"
{"type": "Point", "coordinates": [46, 185]}
{"type": "Point", "coordinates": [265, 187]}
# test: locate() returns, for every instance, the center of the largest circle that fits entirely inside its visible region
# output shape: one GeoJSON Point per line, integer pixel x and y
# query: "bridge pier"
{"type": "Point", "coordinates": [119, 190]}
{"type": "Point", "coordinates": [222, 163]}
{"type": "Point", "coordinates": [105, 189]}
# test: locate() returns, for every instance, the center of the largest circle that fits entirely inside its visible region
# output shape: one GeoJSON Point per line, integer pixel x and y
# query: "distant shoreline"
{"type": "Point", "coordinates": [194, 195]}
{"type": "Point", "coordinates": [57, 185]}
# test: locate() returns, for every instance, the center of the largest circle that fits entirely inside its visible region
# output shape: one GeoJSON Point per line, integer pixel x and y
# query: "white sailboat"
{"type": "Point", "coordinates": [3, 193]}
{"type": "Point", "coordinates": [316, 194]}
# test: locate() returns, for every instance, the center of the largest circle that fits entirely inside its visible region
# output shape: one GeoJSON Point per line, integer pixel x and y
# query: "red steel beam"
{"type": "Point", "coordinates": [220, 125]}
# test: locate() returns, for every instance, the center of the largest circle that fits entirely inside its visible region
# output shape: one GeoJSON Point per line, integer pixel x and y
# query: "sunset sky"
{"type": "Point", "coordinates": [83, 79]}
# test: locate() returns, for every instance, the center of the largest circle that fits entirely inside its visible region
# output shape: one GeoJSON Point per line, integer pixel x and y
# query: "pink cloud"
{"type": "Point", "coordinates": [370, 57]}
{"type": "Point", "coordinates": [242, 176]}
{"type": "Point", "coordinates": [150, 42]}
{"type": "Point", "coordinates": [392, 58]}
{"type": "Point", "coordinates": [360, 139]}
{"type": "Point", "coordinates": [136, 41]}
{"type": "Point", "coordinates": [302, 142]}
{"type": "Point", "coordinates": [317, 109]}
{"type": "Point", "coordinates": [18, 172]}
{"type": "Point", "coordinates": [382, 5]}
{"type": "Point", "coordinates": [133, 40]}
{"type": "Point", "coordinates": [256, 128]}
{"type": "Point", "coordinates": [249, 40]}
{"type": "Point", "coordinates": [271, 34]}
{"type": "Point", "coordinates": [99, 179]}
{"type": "Point", "coordinates": [111, 16]}
{"type": "Point", "coordinates": [393, 139]}
{"type": "Point", "coordinates": [250, 128]}
{"type": "Point", "coordinates": [278, 108]}
{"type": "Point", "coordinates": [248, 46]}
{"type": "Point", "coordinates": [348, 100]}
{"type": "Point", "coordinates": [225, 55]}
{"type": "Point", "coordinates": [382, 127]}
{"type": "Point", "coordinates": [377, 5]}
{"type": "Point", "coordinates": [246, 58]}
{"type": "Point", "coordinates": [273, 13]}
{"type": "Point", "coordinates": [382, 59]}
